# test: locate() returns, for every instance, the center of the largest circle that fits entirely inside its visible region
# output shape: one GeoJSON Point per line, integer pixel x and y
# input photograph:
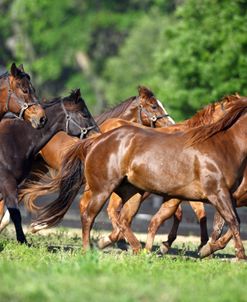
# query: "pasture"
{"type": "Point", "coordinates": [56, 270]}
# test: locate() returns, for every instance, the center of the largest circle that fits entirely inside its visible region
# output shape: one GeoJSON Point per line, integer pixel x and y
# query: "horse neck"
{"type": "Point", "coordinates": [131, 114]}
{"type": "Point", "coordinates": [55, 123]}
{"type": "Point", "coordinates": [4, 97]}
{"type": "Point", "coordinates": [126, 111]}
{"type": "Point", "coordinates": [239, 135]}
{"type": "Point", "coordinates": [8, 99]}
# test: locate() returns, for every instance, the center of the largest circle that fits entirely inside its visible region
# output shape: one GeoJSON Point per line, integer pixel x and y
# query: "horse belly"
{"type": "Point", "coordinates": [173, 177]}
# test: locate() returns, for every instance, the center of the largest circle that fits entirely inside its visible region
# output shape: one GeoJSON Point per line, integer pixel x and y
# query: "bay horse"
{"type": "Point", "coordinates": [144, 109]}
{"type": "Point", "coordinates": [185, 165]}
{"type": "Point", "coordinates": [17, 95]}
{"type": "Point", "coordinates": [20, 143]}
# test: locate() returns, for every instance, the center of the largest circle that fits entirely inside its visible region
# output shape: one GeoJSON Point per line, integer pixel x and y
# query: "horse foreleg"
{"type": "Point", "coordinates": [166, 210]}
{"type": "Point", "coordinates": [198, 208]}
{"type": "Point", "coordinates": [218, 225]}
{"type": "Point", "coordinates": [113, 209]}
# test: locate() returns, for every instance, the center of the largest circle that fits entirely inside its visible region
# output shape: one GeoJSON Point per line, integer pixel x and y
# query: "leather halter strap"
{"type": "Point", "coordinates": [69, 119]}
{"type": "Point", "coordinates": [23, 106]}
{"type": "Point", "coordinates": [151, 118]}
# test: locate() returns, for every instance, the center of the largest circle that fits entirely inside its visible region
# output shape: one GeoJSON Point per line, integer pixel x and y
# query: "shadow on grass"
{"type": "Point", "coordinates": [122, 245]}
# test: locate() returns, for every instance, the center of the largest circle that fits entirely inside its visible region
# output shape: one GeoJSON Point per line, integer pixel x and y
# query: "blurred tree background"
{"type": "Point", "coordinates": [189, 52]}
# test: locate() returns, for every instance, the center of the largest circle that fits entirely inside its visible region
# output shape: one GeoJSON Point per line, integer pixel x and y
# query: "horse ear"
{"type": "Point", "coordinates": [77, 94]}
{"type": "Point", "coordinates": [14, 70]}
{"type": "Point", "coordinates": [144, 92]}
{"type": "Point", "coordinates": [21, 67]}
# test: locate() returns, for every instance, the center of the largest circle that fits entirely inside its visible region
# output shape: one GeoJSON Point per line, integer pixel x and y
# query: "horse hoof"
{"type": "Point", "coordinates": [37, 227]}
{"type": "Point", "coordinates": [164, 248]}
{"type": "Point", "coordinates": [104, 242]}
{"type": "Point", "coordinates": [205, 251]}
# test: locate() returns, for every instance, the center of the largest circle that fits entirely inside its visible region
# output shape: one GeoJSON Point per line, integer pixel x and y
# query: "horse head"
{"type": "Point", "coordinates": [79, 121]}
{"type": "Point", "coordinates": [20, 97]}
{"type": "Point", "coordinates": [151, 111]}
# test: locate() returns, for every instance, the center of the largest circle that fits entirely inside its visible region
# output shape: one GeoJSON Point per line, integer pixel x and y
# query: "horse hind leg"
{"type": "Point", "coordinates": [223, 203]}
{"type": "Point", "coordinates": [89, 208]}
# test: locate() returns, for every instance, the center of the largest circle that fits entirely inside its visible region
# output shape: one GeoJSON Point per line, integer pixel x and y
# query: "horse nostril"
{"type": "Point", "coordinates": [42, 120]}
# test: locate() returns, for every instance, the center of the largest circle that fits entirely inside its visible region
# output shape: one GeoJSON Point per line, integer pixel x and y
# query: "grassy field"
{"type": "Point", "coordinates": [56, 270]}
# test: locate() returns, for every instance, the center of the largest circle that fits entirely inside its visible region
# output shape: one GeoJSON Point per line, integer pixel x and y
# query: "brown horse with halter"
{"type": "Point", "coordinates": [20, 143]}
{"type": "Point", "coordinates": [144, 109]}
{"type": "Point", "coordinates": [185, 165]}
{"type": "Point", "coordinates": [17, 95]}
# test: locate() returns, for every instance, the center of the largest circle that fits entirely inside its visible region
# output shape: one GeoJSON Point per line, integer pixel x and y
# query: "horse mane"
{"type": "Point", "coordinates": [4, 75]}
{"type": "Point", "coordinates": [21, 75]}
{"type": "Point", "coordinates": [205, 115]}
{"type": "Point", "coordinates": [115, 111]}
{"type": "Point", "coordinates": [202, 133]}
{"type": "Point", "coordinates": [47, 104]}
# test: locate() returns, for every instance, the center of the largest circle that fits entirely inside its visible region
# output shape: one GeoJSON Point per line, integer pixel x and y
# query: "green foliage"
{"type": "Point", "coordinates": [206, 55]}
{"type": "Point", "coordinates": [188, 52]}
{"type": "Point", "coordinates": [189, 59]}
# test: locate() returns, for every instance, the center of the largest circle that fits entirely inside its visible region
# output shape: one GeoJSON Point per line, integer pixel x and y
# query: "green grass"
{"type": "Point", "coordinates": [36, 274]}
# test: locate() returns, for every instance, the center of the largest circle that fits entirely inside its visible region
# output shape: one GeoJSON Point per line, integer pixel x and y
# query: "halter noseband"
{"type": "Point", "coordinates": [152, 118]}
{"type": "Point", "coordinates": [69, 119]}
{"type": "Point", "coordinates": [23, 105]}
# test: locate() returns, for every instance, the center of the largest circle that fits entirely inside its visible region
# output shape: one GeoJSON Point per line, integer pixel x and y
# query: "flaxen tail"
{"type": "Point", "coordinates": [69, 181]}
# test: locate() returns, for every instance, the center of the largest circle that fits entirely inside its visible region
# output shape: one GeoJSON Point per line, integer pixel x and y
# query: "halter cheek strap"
{"type": "Point", "coordinates": [152, 118]}
{"type": "Point", "coordinates": [23, 105]}
{"type": "Point", "coordinates": [69, 119]}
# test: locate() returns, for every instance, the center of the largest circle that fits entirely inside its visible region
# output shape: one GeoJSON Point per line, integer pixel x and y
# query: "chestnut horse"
{"type": "Point", "coordinates": [208, 115]}
{"type": "Point", "coordinates": [20, 143]}
{"type": "Point", "coordinates": [17, 95]}
{"type": "Point", "coordinates": [217, 242]}
{"type": "Point", "coordinates": [186, 165]}
{"type": "Point", "coordinates": [144, 109]}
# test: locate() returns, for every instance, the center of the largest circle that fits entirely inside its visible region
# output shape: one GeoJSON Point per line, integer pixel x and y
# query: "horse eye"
{"type": "Point", "coordinates": [25, 90]}
{"type": "Point", "coordinates": [154, 106]}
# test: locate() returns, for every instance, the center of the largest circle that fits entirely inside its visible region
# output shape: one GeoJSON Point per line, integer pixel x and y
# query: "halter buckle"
{"type": "Point", "coordinates": [84, 130]}
{"type": "Point", "coordinates": [24, 106]}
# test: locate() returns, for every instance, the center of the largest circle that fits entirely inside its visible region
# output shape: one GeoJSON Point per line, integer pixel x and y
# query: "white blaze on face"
{"type": "Point", "coordinates": [162, 107]}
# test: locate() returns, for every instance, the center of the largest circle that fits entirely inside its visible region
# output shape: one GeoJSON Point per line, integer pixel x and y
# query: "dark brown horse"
{"type": "Point", "coordinates": [20, 143]}
{"type": "Point", "coordinates": [186, 165]}
{"type": "Point", "coordinates": [17, 95]}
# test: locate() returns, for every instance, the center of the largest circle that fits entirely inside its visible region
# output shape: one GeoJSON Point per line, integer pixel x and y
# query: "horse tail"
{"type": "Point", "coordinates": [42, 185]}
{"type": "Point", "coordinates": [69, 181]}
